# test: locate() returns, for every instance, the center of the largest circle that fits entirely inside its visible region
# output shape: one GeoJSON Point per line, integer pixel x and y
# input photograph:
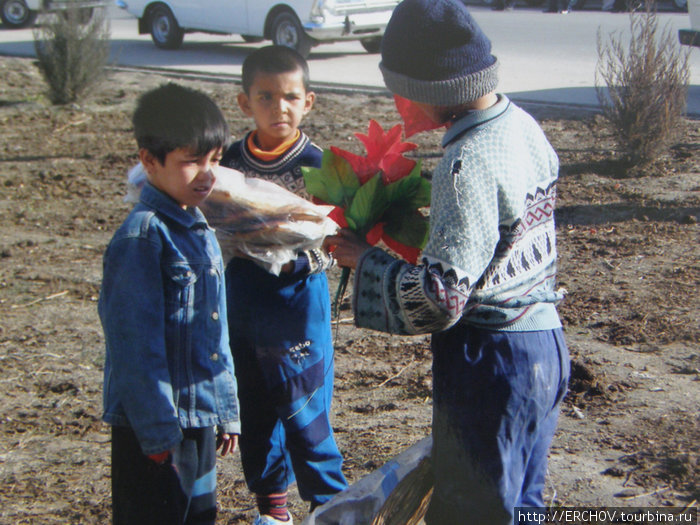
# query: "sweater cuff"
{"type": "Point", "coordinates": [372, 285]}
{"type": "Point", "coordinates": [231, 427]}
{"type": "Point", "coordinates": [301, 264]}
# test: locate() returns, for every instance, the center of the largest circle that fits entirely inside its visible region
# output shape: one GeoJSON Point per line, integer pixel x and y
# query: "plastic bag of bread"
{"type": "Point", "coordinates": [256, 218]}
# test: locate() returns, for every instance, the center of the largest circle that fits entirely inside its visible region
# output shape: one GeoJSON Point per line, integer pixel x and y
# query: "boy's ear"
{"type": "Point", "coordinates": [148, 160]}
{"type": "Point", "coordinates": [309, 101]}
{"type": "Point", "coordinates": [244, 103]}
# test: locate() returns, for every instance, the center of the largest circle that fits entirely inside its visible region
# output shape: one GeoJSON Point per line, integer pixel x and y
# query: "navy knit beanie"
{"type": "Point", "coordinates": [434, 52]}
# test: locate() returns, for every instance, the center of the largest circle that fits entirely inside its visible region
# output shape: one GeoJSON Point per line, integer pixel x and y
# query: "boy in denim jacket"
{"type": "Point", "coordinates": [485, 285]}
{"type": "Point", "coordinates": [170, 391]}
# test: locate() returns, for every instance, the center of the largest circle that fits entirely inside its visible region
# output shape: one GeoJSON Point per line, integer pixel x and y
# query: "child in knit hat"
{"type": "Point", "coordinates": [485, 285]}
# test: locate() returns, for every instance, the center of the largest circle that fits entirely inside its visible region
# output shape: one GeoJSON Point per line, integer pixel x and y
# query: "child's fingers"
{"type": "Point", "coordinates": [347, 248]}
{"type": "Point", "coordinates": [222, 443]}
{"type": "Point", "coordinates": [160, 458]}
{"type": "Point", "coordinates": [226, 443]}
{"type": "Point", "coordinates": [330, 242]}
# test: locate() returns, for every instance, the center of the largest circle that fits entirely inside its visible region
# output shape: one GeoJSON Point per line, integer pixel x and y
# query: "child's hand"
{"type": "Point", "coordinates": [160, 458]}
{"type": "Point", "coordinates": [346, 247]}
{"type": "Point", "coordinates": [288, 267]}
{"type": "Point", "coordinates": [226, 442]}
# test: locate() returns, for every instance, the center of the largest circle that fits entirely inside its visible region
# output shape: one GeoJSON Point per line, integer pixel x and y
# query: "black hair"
{"type": "Point", "coordinates": [273, 59]}
{"type": "Point", "coordinates": [172, 116]}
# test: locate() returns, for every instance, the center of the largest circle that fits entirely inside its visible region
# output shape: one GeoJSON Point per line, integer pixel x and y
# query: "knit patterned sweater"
{"type": "Point", "coordinates": [490, 260]}
{"type": "Point", "coordinates": [284, 171]}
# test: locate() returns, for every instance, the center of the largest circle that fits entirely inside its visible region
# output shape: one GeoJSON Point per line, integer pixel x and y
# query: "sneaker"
{"type": "Point", "coordinates": [269, 520]}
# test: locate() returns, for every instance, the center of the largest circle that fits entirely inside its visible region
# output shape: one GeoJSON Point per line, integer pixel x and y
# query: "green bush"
{"type": "Point", "coordinates": [72, 48]}
{"type": "Point", "coordinates": [647, 80]}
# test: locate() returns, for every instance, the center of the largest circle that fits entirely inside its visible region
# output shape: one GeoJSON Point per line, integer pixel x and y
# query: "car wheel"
{"type": "Point", "coordinates": [165, 31]}
{"type": "Point", "coordinates": [487, 3]}
{"type": "Point", "coordinates": [15, 14]}
{"type": "Point", "coordinates": [252, 39]}
{"type": "Point", "coordinates": [287, 31]}
{"type": "Point", "coordinates": [372, 45]}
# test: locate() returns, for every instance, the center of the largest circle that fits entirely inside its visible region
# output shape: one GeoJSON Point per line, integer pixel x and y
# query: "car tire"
{"type": "Point", "coordinates": [15, 14]}
{"type": "Point", "coordinates": [287, 31]}
{"type": "Point", "coordinates": [576, 5]}
{"type": "Point", "coordinates": [166, 33]}
{"type": "Point", "coordinates": [372, 45]}
{"type": "Point", "coordinates": [534, 3]}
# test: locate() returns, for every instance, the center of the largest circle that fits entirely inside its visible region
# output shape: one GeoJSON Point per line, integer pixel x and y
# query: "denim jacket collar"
{"type": "Point", "coordinates": [474, 119]}
{"type": "Point", "coordinates": [159, 201]}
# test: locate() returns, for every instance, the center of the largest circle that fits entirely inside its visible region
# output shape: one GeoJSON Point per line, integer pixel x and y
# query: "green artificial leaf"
{"type": "Point", "coordinates": [368, 205]}
{"type": "Point", "coordinates": [412, 191]}
{"type": "Point", "coordinates": [407, 227]}
{"type": "Point", "coordinates": [334, 182]}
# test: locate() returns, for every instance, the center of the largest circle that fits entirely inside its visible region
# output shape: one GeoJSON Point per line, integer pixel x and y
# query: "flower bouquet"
{"type": "Point", "coordinates": [379, 196]}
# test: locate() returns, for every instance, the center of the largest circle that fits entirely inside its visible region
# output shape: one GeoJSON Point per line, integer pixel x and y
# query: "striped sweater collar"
{"type": "Point", "coordinates": [474, 119]}
{"type": "Point", "coordinates": [274, 164]}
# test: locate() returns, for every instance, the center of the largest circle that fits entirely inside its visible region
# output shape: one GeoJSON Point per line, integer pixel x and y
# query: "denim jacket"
{"type": "Point", "coordinates": [163, 310]}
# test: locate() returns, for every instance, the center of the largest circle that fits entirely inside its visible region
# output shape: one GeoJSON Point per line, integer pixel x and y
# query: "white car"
{"type": "Point", "coordinates": [16, 14]}
{"type": "Point", "coordinates": [300, 24]}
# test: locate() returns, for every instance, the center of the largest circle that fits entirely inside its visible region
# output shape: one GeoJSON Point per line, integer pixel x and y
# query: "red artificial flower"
{"type": "Point", "coordinates": [414, 119]}
{"type": "Point", "coordinates": [378, 196]}
{"type": "Point", "coordinates": [384, 154]}
{"type": "Point", "coordinates": [376, 234]}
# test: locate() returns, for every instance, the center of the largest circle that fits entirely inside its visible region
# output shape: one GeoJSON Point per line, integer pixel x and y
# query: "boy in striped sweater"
{"type": "Point", "coordinates": [280, 325]}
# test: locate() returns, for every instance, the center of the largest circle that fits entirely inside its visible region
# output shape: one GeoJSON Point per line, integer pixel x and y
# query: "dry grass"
{"type": "Point", "coordinates": [647, 82]}
{"type": "Point", "coordinates": [72, 49]}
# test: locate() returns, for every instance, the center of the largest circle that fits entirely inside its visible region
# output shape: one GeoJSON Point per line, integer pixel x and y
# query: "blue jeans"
{"type": "Point", "coordinates": [496, 398]}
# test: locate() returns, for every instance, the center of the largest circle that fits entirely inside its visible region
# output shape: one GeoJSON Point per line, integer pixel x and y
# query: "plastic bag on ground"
{"type": "Point", "coordinates": [359, 503]}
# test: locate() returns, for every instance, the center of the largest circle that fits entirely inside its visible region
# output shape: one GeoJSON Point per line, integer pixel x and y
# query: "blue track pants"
{"type": "Point", "coordinates": [496, 403]}
{"type": "Point", "coordinates": [282, 348]}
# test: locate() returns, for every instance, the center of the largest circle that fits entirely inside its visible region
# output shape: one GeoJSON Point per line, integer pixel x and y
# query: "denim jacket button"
{"type": "Point", "coordinates": [215, 316]}
{"type": "Point", "coordinates": [214, 356]}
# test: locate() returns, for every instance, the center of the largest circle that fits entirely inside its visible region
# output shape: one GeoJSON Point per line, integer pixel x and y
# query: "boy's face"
{"type": "Point", "coordinates": [185, 177]}
{"type": "Point", "coordinates": [276, 102]}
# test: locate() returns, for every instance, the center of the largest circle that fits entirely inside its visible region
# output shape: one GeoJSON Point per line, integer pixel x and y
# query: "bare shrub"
{"type": "Point", "coordinates": [647, 83]}
{"type": "Point", "coordinates": [72, 48]}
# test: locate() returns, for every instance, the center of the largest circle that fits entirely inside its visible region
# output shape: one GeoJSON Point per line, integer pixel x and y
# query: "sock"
{"type": "Point", "coordinates": [274, 505]}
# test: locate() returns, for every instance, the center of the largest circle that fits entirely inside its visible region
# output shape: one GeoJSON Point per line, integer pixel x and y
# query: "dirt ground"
{"type": "Point", "coordinates": [629, 258]}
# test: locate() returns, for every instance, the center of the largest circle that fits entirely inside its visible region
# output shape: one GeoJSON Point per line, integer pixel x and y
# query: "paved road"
{"type": "Point", "coordinates": [545, 58]}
